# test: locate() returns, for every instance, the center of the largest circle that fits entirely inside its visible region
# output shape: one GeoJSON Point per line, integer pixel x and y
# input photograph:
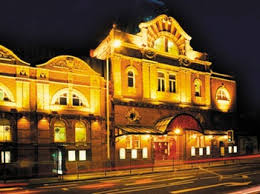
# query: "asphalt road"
{"type": "Point", "coordinates": [225, 179]}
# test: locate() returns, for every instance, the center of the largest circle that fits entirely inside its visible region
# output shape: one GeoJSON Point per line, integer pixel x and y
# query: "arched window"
{"type": "Point", "coordinates": [59, 131]}
{"type": "Point", "coordinates": [62, 99]}
{"type": "Point", "coordinates": [131, 79]}
{"type": "Point", "coordinates": [80, 132]}
{"type": "Point", "coordinates": [197, 87]}
{"type": "Point", "coordinates": [69, 97]}
{"type": "Point", "coordinates": [3, 95]}
{"type": "Point", "coordinates": [172, 83]}
{"type": "Point", "coordinates": [76, 100]}
{"type": "Point", "coordinates": [166, 45]}
{"type": "Point", "coordinates": [161, 82]}
{"type": "Point", "coordinates": [5, 131]}
{"type": "Point", "coordinates": [222, 94]}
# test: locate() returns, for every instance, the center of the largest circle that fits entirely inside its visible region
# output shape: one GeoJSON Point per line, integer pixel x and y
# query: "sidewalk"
{"type": "Point", "coordinates": [118, 173]}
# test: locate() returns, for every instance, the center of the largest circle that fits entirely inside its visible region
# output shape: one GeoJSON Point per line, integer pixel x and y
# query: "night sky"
{"type": "Point", "coordinates": [227, 30]}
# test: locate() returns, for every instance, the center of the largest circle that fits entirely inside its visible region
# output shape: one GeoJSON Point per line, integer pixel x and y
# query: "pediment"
{"type": "Point", "coordinates": [7, 56]}
{"type": "Point", "coordinates": [164, 25]}
{"type": "Point", "coordinates": [68, 63]}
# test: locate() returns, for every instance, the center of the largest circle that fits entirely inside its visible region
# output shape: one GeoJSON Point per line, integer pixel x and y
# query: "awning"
{"type": "Point", "coordinates": [162, 124]}
{"type": "Point", "coordinates": [133, 129]}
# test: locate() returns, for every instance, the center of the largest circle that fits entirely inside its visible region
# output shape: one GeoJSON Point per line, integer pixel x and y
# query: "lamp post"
{"type": "Point", "coordinates": [115, 44]}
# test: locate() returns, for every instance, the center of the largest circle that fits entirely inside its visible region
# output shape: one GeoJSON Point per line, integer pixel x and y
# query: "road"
{"type": "Point", "coordinates": [224, 179]}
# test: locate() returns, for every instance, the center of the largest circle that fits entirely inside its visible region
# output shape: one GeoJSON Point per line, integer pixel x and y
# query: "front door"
{"type": "Point", "coordinates": [58, 161]}
{"type": "Point", "coordinates": [160, 150]}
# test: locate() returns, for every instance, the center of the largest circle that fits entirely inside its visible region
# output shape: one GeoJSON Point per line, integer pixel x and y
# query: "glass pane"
{"type": "Point", "coordinates": [130, 82]}
{"type": "Point", "coordinates": [75, 102]}
{"type": "Point", "coordinates": [59, 132]}
{"type": "Point", "coordinates": [82, 155]}
{"type": "Point", "coordinates": [1, 95]}
{"type": "Point", "coordinates": [5, 133]}
{"type": "Point", "coordinates": [80, 134]}
{"type": "Point", "coordinates": [172, 48]}
{"type": "Point", "coordinates": [71, 155]}
{"type": "Point", "coordinates": [63, 100]}
{"type": "Point", "coordinates": [159, 44]}
{"type": "Point", "coordinates": [134, 154]}
{"type": "Point", "coordinates": [145, 152]}
{"type": "Point", "coordinates": [130, 73]}
{"type": "Point", "coordinates": [122, 153]}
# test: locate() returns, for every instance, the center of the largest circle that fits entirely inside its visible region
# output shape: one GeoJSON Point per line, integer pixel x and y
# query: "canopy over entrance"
{"type": "Point", "coordinates": [184, 121]}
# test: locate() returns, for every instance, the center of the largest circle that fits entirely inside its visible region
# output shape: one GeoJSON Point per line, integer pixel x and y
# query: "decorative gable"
{"type": "Point", "coordinates": [68, 63]}
{"type": "Point", "coordinates": [7, 56]}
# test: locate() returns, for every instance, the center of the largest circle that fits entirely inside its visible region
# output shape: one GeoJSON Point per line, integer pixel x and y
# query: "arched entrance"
{"type": "Point", "coordinates": [178, 131]}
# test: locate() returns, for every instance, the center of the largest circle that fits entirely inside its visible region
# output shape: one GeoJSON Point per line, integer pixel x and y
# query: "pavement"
{"type": "Point", "coordinates": [159, 167]}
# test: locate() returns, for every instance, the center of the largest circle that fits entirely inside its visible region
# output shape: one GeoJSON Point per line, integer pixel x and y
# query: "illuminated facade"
{"type": "Point", "coordinates": [52, 116]}
{"type": "Point", "coordinates": [167, 103]}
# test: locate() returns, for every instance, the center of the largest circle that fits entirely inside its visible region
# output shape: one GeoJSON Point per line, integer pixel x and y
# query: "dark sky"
{"type": "Point", "coordinates": [227, 30]}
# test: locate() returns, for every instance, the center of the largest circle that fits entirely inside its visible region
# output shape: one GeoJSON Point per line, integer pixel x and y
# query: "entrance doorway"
{"type": "Point", "coordinates": [160, 150]}
{"type": "Point", "coordinates": [58, 159]}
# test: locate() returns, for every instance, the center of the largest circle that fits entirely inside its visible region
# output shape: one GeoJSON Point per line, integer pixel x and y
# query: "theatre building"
{"type": "Point", "coordinates": [166, 102]}
{"type": "Point", "coordinates": [52, 116]}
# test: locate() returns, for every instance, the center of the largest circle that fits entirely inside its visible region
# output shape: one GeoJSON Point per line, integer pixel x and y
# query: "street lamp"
{"type": "Point", "coordinates": [114, 44]}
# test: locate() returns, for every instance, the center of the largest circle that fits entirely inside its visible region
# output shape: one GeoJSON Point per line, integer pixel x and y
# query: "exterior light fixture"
{"type": "Point", "coordinates": [177, 131]}
{"type": "Point", "coordinates": [116, 43]}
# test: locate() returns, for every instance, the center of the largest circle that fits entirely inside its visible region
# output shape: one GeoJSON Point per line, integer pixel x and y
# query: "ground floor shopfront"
{"type": "Point", "coordinates": [172, 138]}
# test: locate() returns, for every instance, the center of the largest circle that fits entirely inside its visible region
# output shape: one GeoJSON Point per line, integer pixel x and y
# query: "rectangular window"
{"type": "Point", "coordinates": [201, 151]}
{"type": "Point", "coordinates": [5, 133]}
{"type": "Point", "coordinates": [172, 84]}
{"type": "Point", "coordinates": [229, 149]}
{"type": "Point", "coordinates": [134, 153]}
{"type": "Point", "coordinates": [5, 157]}
{"type": "Point", "coordinates": [235, 149]}
{"type": "Point", "coordinates": [193, 151]}
{"type": "Point", "coordinates": [161, 82]}
{"type": "Point", "coordinates": [208, 150]}
{"type": "Point", "coordinates": [136, 141]}
{"type": "Point", "coordinates": [122, 153]}
{"type": "Point", "coordinates": [71, 155]}
{"type": "Point", "coordinates": [145, 152]}
{"type": "Point", "coordinates": [82, 155]}
{"type": "Point", "coordinates": [129, 142]}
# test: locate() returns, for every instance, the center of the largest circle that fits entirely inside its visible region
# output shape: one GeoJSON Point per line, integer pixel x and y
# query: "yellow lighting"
{"type": "Point", "coordinates": [194, 136]}
{"type": "Point", "coordinates": [177, 131]}
{"type": "Point", "coordinates": [225, 137]}
{"type": "Point", "coordinates": [116, 43]}
{"type": "Point", "coordinates": [210, 136]}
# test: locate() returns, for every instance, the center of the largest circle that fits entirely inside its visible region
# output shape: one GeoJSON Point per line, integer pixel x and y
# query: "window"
{"type": "Point", "coordinates": [122, 153]}
{"type": "Point", "coordinates": [82, 155]}
{"type": "Point", "coordinates": [172, 84]}
{"type": "Point", "coordinates": [71, 155]}
{"type": "Point", "coordinates": [208, 150]}
{"type": "Point", "coordinates": [136, 141]}
{"type": "Point", "coordinates": [134, 154]}
{"type": "Point", "coordinates": [166, 45]}
{"type": "Point", "coordinates": [80, 132]}
{"type": "Point", "coordinates": [229, 149]}
{"type": "Point", "coordinates": [131, 81]}
{"type": "Point", "coordinates": [197, 87]}
{"type": "Point", "coordinates": [145, 152]}
{"type": "Point", "coordinates": [222, 94]}
{"type": "Point", "coordinates": [69, 97]}
{"type": "Point", "coordinates": [201, 151]}
{"type": "Point", "coordinates": [3, 95]}
{"type": "Point", "coordinates": [5, 157]}
{"type": "Point", "coordinates": [161, 82]}
{"type": "Point", "coordinates": [193, 151]}
{"type": "Point", "coordinates": [59, 131]}
{"type": "Point", "coordinates": [76, 101]}
{"type": "Point", "coordinates": [5, 131]}
{"type": "Point", "coordinates": [129, 142]}
{"type": "Point", "coordinates": [62, 99]}
{"type": "Point", "coordinates": [235, 149]}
